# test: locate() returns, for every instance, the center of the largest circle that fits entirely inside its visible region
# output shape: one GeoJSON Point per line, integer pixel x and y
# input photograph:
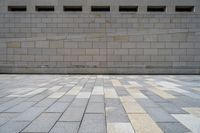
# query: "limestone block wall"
{"type": "Point", "coordinates": [99, 42]}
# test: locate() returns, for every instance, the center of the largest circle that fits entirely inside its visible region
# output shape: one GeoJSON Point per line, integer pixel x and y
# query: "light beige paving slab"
{"type": "Point", "coordinates": [133, 107]}
{"type": "Point", "coordinates": [119, 128]}
{"type": "Point", "coordinates": [54, 88]}
{"type": "Point", "coordinates": [143, 123]}
{"type": "Point", "coordinates": [193, 110]}
{"type": "Point", "coordinates": [116, 83]}
{"type": "Point", "coordinates": [98, 90]}
{"type": "Point", "coordinates": [110, 93]}
{"type": "Point", "coordinates": [196, 89]}
{"type": "Point", "coordinates": [125, 99]}
{"type": "Point", "coordinates": [163, 94]}
{"type": "Point", "coordinates": [56, 95]}
{"type": "Point", "coordinates": [137, 94]}
{"type": "Point", "coordinates": [135, 84]}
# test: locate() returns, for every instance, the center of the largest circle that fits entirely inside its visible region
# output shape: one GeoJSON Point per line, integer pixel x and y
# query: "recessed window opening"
{"type": "Point", "coordinates": [72, 8]}
{"type": "Point", "coordinates": [184, 8]}
{"type": "Point", "coordinates": [17, 8]}
{"type": "Point", "coordinates": [44, 8]}
{"type": "Point", "coordinates": [156, 8]}
{"type": "Point", "coordinates": [128, 8]}
{"type": "Point", "coordinates": [100, 8]}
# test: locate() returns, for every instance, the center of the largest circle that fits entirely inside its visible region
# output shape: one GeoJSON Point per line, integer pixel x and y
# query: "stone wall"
{"type": "Point", "coordinates": [88, 42]}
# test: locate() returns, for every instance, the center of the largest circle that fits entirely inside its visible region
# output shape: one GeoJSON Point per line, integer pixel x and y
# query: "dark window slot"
{"type": "Point", "coordinates": [17, 8]}
{"type": "Point", "coordinates": [128, 8]}
{"type": "Point", "coordinates": [44, 8]}
{"type": "Point", "coordinates": [100, 8]}
{"type": "Point", "coordinates": [72, 8]}
{"type": "Point", "coordinates": [156, 9]}
{"type": "Point", "coordinates": [184, 8]}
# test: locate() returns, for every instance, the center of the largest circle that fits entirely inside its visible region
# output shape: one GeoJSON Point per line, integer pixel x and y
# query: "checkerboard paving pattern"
{"type": "Point", "coordinates": [99, 104]}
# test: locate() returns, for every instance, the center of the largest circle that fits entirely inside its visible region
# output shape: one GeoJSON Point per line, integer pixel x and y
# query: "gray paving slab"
{"type": "Point", "coordinates": [13, 127]}
{"type": "Point", "coordinates": [30, 114]}
{"type": "Point", "coordinates": [157, 99]}
{"type": "Point", "coordinates": [173, 128]}
{"type": "Point", "coordinates": [21, 107]}
{"type": "Point", "coordinates": [159, 115]}
{"type": "Point", "coordinates": [93, 123]}
{"type": "Point", "coordinates": [73, 114]}
{"type": "Point", "coordinates": [10, 104]}
{"type": "Point", "coordinates": [45, 103]}
{"type": "Point", "coordinates": [66, 98]}
{"type": "Point", "coordinates": [95, 107]}
{"type": "Point", "coordinates": [58, 107]}
{"type": "Point", "coordinates": [97, 98]}
{"type": "Point", "coordinates": [65, 127]}
{"type": "Point", "coordinates": [171, 108]}
{"type": "Point", "coordinates": [5, 117]}
{"type": "Point", "coordinates": [79, 102]}
{"type": "Point", "coordinates": [115, 111]}
{"type": "Point", "coordinates": [121, 91]}
{"type": "Point", "coordinates": [43, 123]}
{"type": "Point", "coordinates": [38, 97]}
{"type": "Point", "coordinates": [145, 103]}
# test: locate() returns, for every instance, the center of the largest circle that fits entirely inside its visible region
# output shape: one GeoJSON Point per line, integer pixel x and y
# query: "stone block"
{"type": "Point", "coordinates": [85, 58]}
{"type": "Point", "coordinates": [121, 52]}
{"type": "Point", "coordinates": [34, 51]}
{"type": "Point", "coordinates": [150, 51]}
{"type": "Point", "coordinates": [56, 44]}
{"type": "Point", "coordinates": [68, 44]}
{"type": "Point", "coordinates": [27, 58]}
{"type": "Point", "coordinates": [42, 58]}
{"type": "Point", "coordinates": [136, 51]}
{"type": "Point", "coordinates": [13, 45]}
{"type": "Point", "coordinates": [56, 58]}
{"type": "Point", "coordinates": [99, 58]}
{"type": "Point", "coordinates": [92, 51]}
{"type": "Point", "coordinates": [28, 44]}
{"type": "Point", "coordinates": [49, 51]}
{"type": "Point", "coordinates": [179, 52]}
{"type": "Point", "coordinates": [42, 44]}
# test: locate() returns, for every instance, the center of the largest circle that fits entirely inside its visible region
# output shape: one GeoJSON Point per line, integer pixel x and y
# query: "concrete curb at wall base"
{"type": "Point", "coordinates": [98, 71]}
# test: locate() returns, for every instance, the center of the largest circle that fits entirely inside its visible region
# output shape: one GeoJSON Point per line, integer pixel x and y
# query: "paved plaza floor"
{"type": "Point", "coordinates": [99, 104]}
